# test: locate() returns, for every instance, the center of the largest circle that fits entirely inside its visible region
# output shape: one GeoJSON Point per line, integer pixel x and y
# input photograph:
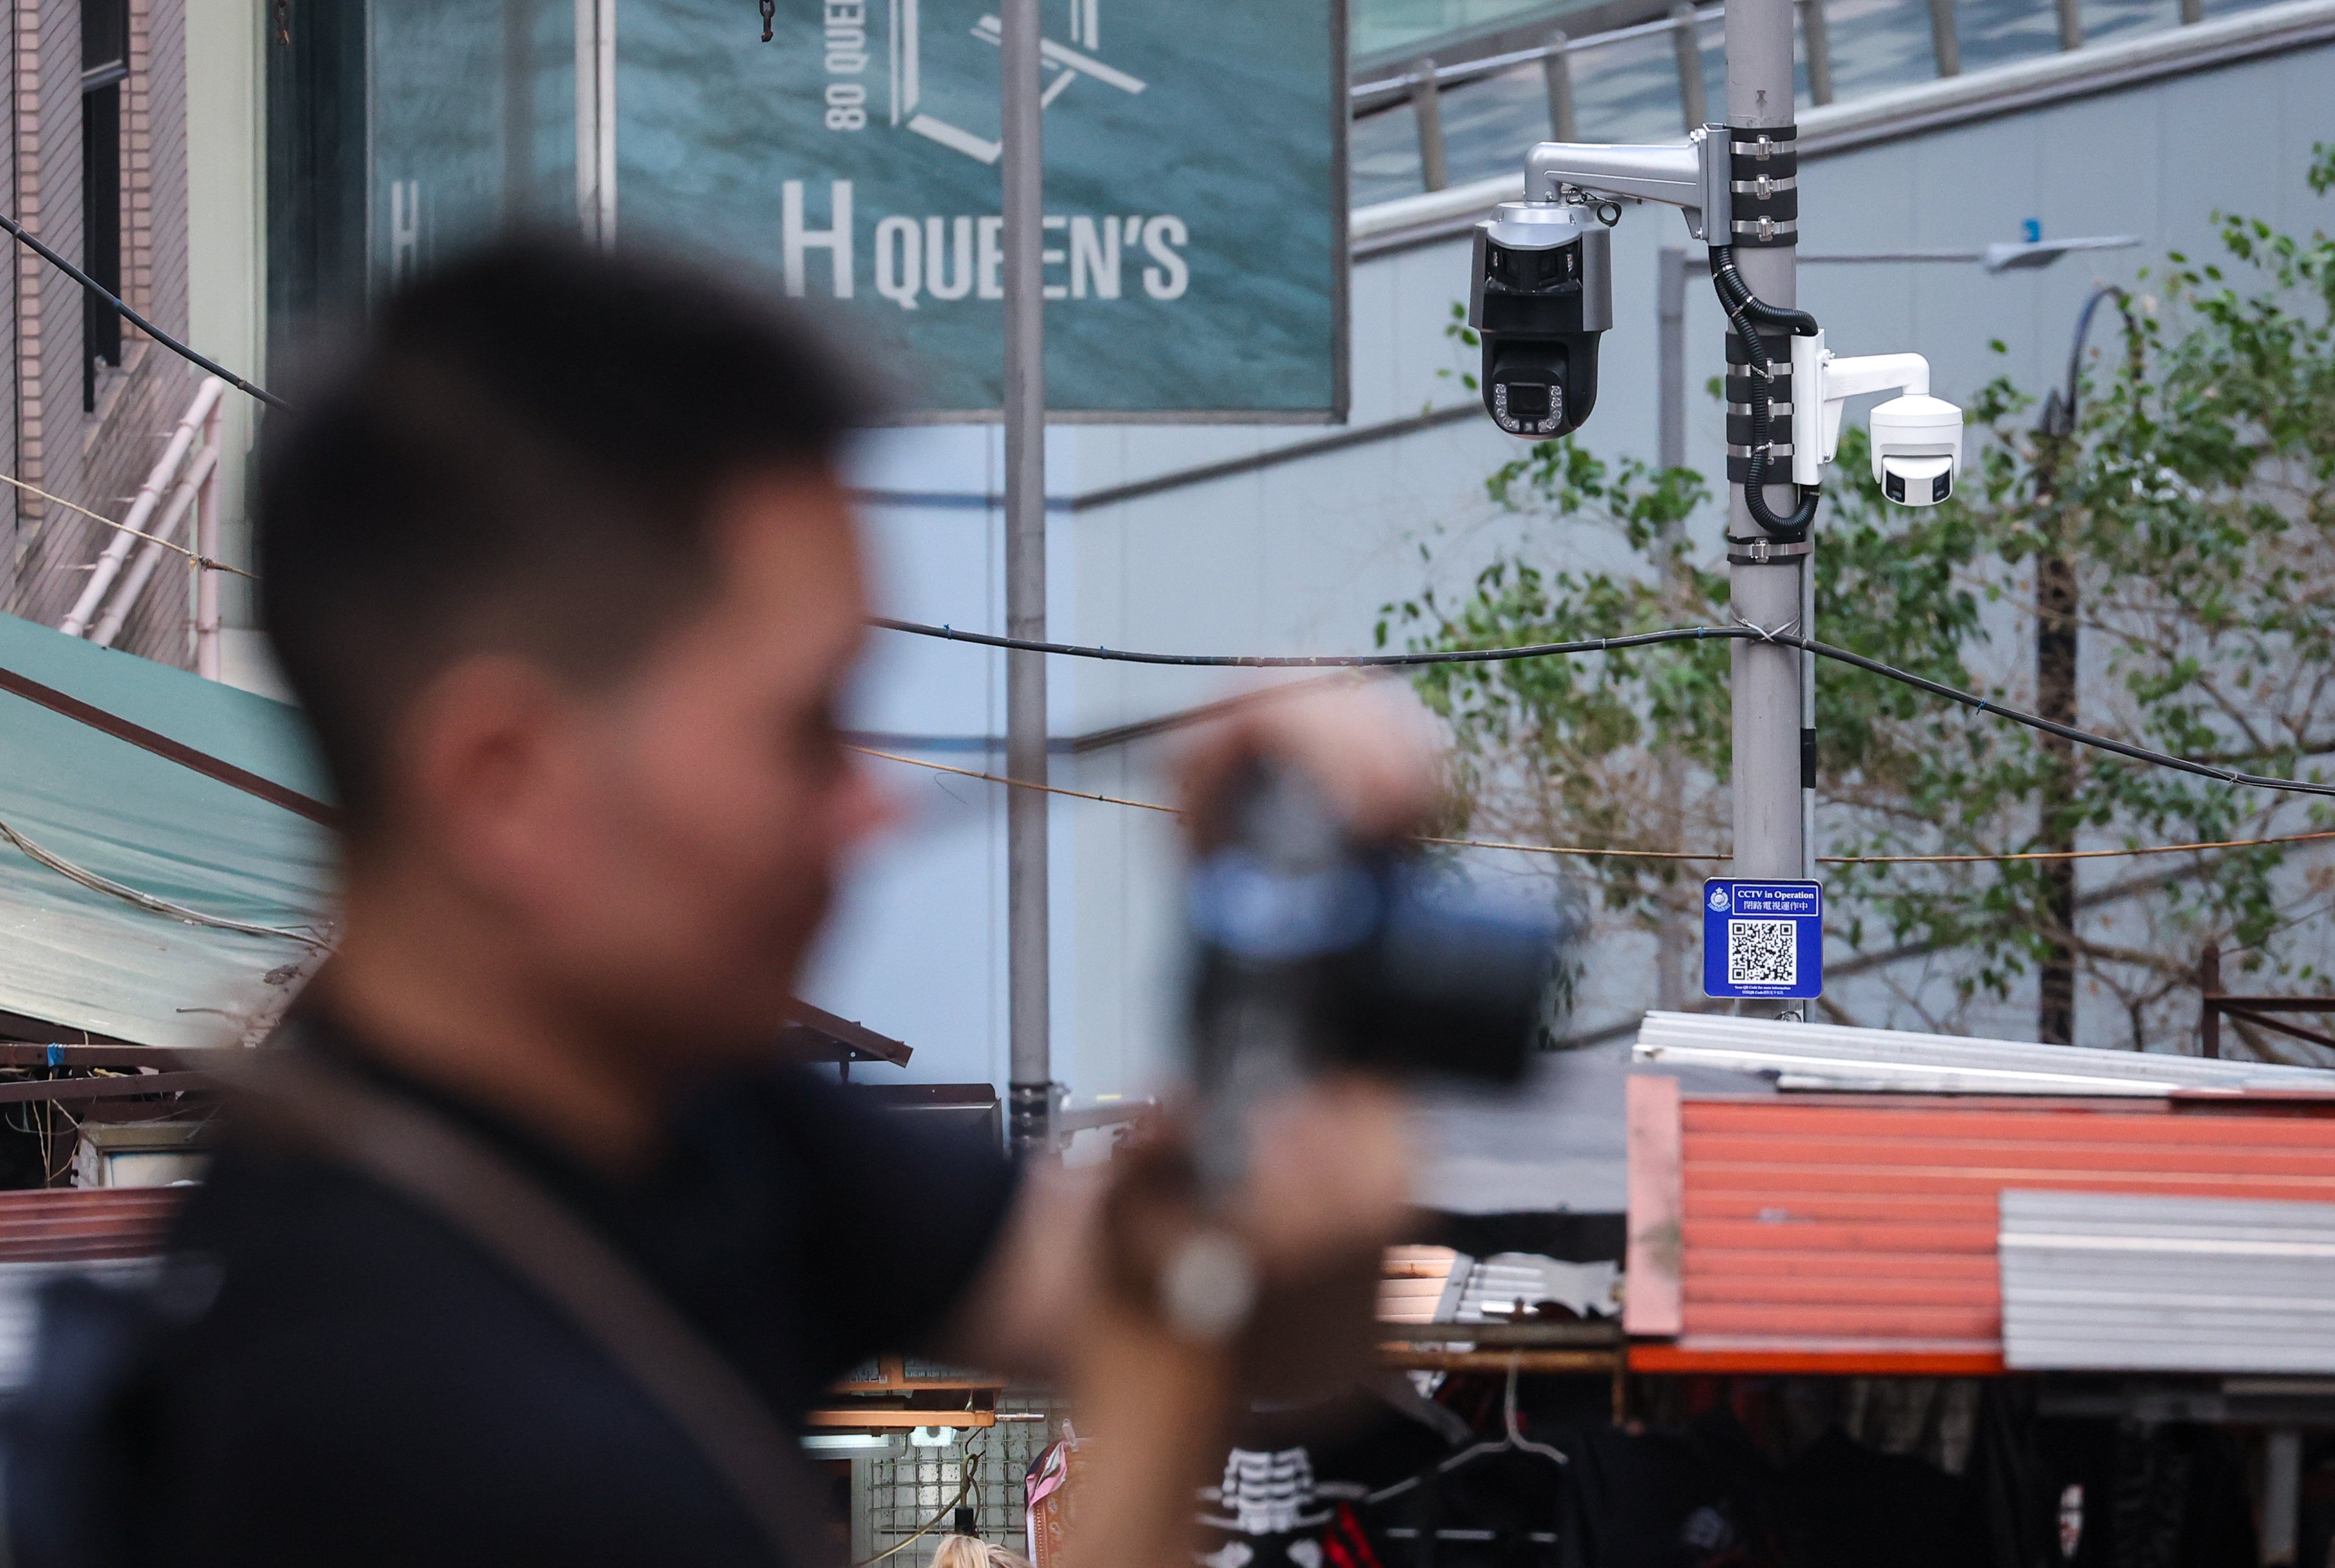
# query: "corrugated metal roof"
{"type": "Point", "coordinates": [66, 1223]}
{"type": "Point", "coordinates": [1827, 1057]}
{"type": "Point", "coordinates": [1866, 1228]}
{"type": "Point", "coordinates": [89, 960]}
{"type": "Point", "coordinates": [1411, 1282]}
{"type": "Point", "coordinates": [2100, 1281]}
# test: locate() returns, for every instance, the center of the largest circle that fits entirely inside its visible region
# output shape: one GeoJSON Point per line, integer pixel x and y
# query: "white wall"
{"type": "Point", "coordinates": [227, 260]}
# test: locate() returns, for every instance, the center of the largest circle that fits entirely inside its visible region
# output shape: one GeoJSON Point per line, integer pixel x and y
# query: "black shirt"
{"type": "Point", "coordinates": [366, 1387]}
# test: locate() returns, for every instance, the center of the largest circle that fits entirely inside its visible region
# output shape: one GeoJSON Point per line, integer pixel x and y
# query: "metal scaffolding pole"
{"type": "Point", "coordinates": [1029, 976]}
{"type": "Point", "coordinates": [1767, 678]}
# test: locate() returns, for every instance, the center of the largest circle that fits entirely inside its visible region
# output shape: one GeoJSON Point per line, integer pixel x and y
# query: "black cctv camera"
{"type": "Point", "coordinates": [1542, 292]}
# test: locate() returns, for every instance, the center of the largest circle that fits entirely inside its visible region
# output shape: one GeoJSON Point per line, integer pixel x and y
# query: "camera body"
{"type": "Point", "coordinates": [1312, 952]}
{"type": "Point", "coordinates": [1541, 293]}
{"type": "Point", "coordinates": [1917, 449]}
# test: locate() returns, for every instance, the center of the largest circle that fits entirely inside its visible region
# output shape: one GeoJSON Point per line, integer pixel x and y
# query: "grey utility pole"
{"type": "Point", "coordinates": [1030, 1095]}
{"type": "Point", "coordinates": [1677, 936]}
{"type": "Point", "coordinates": [1768, 840]}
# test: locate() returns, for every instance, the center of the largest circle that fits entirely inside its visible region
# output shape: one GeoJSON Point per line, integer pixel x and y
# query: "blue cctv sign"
{"type": "Point", "coordinates": [1762, 939]}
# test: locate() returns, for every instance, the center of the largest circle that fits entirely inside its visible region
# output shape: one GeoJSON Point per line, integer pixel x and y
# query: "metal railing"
{"type": "Point", "coordinates": [1424, 86]}
{"type": "Point", "coordinates": [2216, 1004]}
{"type": "Point", "coordinates": [188, 473]}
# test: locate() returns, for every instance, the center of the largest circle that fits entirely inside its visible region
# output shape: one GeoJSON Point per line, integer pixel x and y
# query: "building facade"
{"type": "Point", "coordinates": [98, 169]}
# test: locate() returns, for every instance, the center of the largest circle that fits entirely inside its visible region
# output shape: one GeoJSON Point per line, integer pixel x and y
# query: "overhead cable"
{"type": "Point", "coordinates": [196, 558]}
{"type": "Point", "coordinates": [148, 901]}
{"type": "Point", "coordinates": [2001, 857]}
{"type": "Point", "coordinates": [1783, 638]}
{"type": "Point", "coordinates": [123, 310]}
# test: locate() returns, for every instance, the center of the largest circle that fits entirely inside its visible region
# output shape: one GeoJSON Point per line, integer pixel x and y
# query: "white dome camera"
{"type": "Point", "coordinates": [1917, 449]}
{"type": "Point", "coordinates": [1917, 439]}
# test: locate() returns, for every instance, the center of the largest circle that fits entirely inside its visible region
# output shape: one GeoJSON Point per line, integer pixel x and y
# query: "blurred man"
{"type": "Point", "coordinates": [560, 566]}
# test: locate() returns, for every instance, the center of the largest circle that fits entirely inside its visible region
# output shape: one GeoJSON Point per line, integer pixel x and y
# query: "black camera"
{"type": "Point", "coordinates": [1542, 292]}
{"type": "Point", "coordinates": [1313, 952]}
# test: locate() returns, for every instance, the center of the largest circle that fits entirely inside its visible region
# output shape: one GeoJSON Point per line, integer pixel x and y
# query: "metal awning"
{"type": "Point", "coordinates": [83, 960]}
{"type": "Point", "coordinates": [1821, 1056]}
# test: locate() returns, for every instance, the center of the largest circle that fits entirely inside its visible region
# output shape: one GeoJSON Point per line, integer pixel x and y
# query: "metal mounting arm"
{"type": "Point", "coordinates": [1822, 384]}
{"type": "Point", "coordinates": [1690, 174]}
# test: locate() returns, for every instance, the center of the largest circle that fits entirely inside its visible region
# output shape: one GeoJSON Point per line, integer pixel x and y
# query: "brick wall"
{"type": "Point", "coordinates": [99, 460]}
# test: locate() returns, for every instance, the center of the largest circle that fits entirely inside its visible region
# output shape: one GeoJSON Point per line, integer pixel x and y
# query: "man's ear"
{"type": "Point", "coordinates": [485, 766]}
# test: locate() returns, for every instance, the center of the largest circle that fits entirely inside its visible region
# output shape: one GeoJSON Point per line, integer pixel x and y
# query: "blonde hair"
{"type": "Point", "coordinates": [972, 1552]}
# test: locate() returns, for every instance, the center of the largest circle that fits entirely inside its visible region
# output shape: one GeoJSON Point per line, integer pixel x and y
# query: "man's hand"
{"type": "Point", "coordinates": [1366, 749]}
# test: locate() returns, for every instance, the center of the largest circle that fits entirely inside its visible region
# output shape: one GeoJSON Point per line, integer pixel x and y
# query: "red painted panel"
{"type": "Point", "coordinates": [70, 1223]}
{"type": "Point", "coordinates": [1650, 1108]}
{"type": "Point", "coordinates": [1858, 1233]}
{"type": "Point", "coordinates": [1859, 1360]}
{"type": "Point", "coordinates": [1708, 1261]}
{"type": "Point", "coordinates": [1836, 1290]}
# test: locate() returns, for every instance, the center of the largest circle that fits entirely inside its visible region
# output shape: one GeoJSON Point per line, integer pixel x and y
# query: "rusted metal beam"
{"type": "Point", "coordinates": [20, 1091]}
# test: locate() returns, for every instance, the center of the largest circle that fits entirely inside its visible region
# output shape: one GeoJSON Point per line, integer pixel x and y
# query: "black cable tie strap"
{"type": "Point", "coordinates": [1763, 169]}
{"type": "Point", "coordinates": [1763, 551]}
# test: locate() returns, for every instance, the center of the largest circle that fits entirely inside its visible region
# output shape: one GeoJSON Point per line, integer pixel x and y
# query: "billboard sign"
{"type": "Point", "coordinates": [1195, 244]}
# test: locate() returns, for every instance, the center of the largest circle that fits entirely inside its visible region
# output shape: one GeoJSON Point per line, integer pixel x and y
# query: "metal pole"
{"type": "Point", "coordinates": [1029, 970]}
{"type": "Point", "coordinates": [1427, 105]}
{"type": "Point", "coordinates": [1816, 45]}
{"type": "Point", "coordinates": [1675, 939]}
{"type": "Point", "coordinates": [1670, 349]}
{"type": "Point", "coordinates": [2209, 987]}
{"type": "Point", "coordinates": [1557, 71]}
{"type": "Point", "coordinates": [1808, 721]}
{"type": "Point", "coordinates": [1693, 109]}
{"type": "Point", "coordinates": [207, 550]}
{"type": "Point", "coordinates": [2071, 23]}
{"type": "Point", "coordinates": [604, 42]}
{"type": "Point", "coordinates": [588, 119]}
{"type": "Point", "coordinates": [1945, 43]}
{"type": "Point", "coordinates": [2282, 1495]}
{"type": "Point", "coordinates": [1767, 678]}
{"type": "Point", "coordinates": [518, 108]}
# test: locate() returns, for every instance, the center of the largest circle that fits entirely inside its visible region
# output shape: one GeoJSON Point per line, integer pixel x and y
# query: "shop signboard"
{"type": "Point", "coordinates": [1194, 243]}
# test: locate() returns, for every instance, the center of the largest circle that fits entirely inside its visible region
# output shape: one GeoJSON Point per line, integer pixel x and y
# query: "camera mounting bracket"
{"type": "Point", "coordinates": [1690, 174]}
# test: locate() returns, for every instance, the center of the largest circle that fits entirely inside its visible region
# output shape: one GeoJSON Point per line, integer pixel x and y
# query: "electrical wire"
{"type": "Point", "coordinates": [1745, 310]}
{"type": "Point", "coordinates": [2002, 857]}
{"type": "Point", "coordinates": [200, 560]}
{"type": "Point", "coordinates": [149, 902]}
{"type": "Point", "coordinates": [1781, 638]}
{"type": "Point", "coordinates": [123, 309]}
{"type": "Point", "coordinates": [1317, 661]}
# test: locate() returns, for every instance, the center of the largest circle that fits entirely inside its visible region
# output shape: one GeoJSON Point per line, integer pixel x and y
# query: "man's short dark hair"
{"type": "Point", "coordinates": [522, 452]}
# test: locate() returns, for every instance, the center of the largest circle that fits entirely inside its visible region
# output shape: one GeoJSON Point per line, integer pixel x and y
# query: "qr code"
{"type": "Point", "coordinates": [1762, 953]}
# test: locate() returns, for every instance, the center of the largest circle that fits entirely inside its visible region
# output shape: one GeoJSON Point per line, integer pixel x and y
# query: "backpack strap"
{"type": "Point", "coordinates": [326, 1110]}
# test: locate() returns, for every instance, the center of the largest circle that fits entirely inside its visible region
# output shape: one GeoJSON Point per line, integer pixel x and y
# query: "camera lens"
{"type": "Point", "coordinates": [1527, 402]}
{"type": "Point", "coordinates": [1528, 270]}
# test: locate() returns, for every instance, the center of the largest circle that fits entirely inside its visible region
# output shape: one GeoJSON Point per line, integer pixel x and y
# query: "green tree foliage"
{"type": "Point", "coordinates": [2196, 499]}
